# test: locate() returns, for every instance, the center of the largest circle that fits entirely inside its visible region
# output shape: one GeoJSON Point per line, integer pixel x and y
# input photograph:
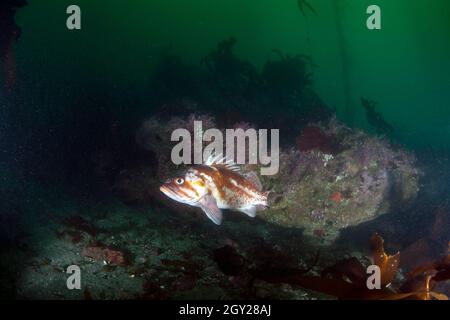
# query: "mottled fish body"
{"type": "Point", "coordinates": [217, 185]}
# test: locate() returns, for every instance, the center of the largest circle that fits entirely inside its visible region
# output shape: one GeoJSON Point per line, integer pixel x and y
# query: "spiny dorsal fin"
{"type": "Point", "coordinates": [219, 160]}
{"type": "Point", "coordinates": [254, 179]}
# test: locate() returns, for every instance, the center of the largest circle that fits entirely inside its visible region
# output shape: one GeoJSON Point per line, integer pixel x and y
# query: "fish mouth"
{"type": "Point", "coordinates": [169, 192]}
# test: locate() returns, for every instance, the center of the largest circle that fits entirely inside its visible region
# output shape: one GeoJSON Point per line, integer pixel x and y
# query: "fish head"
{"type": "Point", "coordinates": [187, 188]}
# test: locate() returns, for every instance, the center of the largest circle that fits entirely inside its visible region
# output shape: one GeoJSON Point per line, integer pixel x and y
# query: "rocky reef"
{"type": "Point", "coordinates": [333, 178]}
{"type": "Point", "coordinates": [336, 178]}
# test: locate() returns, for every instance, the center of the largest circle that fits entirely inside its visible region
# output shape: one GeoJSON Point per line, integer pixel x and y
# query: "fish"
{"type": "Point", "coordinates": [218, 184]}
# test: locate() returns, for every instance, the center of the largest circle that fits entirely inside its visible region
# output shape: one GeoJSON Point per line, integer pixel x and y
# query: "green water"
{"type": "Point", "coordinates": [404, 66]}
{"type": "Point", "coordinates": [84, 123]}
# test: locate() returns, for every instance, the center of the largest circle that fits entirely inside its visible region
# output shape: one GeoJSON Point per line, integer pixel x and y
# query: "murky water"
{"type": "Point", "coordinates": [85, 133]}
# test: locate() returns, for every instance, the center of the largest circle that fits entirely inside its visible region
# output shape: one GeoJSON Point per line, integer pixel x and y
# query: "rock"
{"type": "Point", "coordinates": [229, 260]}
{"type": "Point", "coordinates": [102, 253]}
{"type": "Point", "coordinates": [330, 192]}
{"type": "Point", "coordinates": [334, 178]}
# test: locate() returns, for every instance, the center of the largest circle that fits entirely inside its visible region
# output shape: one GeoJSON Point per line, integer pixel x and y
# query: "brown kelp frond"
{"type": "Point", "coordinates": [348, 269]}
{"type": "Point", "coordinates": [440, 269]}
{"type": "Point", "coordinates": [347, 279]}
{"type": "Point", "coordinates": [425, 278]}
{"type": "Point", "coordinates": [388, 264]}
{"type": "Point", "coordinates": [303, 5]}
{"type": "Point", "coordinates": [375, 118]}
{"type": "Point", "coordinates": [340, 281]}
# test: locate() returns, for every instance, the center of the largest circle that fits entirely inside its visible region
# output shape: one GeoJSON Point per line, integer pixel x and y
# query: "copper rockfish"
{"type": "Point", "coordinates": [217, 185]}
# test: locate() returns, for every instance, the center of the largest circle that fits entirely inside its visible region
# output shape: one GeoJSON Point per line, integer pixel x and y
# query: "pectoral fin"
{"type": "Point", "coordinates": [209, 205]}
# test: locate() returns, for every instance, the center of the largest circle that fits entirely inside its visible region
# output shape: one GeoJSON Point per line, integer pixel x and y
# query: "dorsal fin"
{"type": "Point", "coordinates": [212, 159]}
{"type": "Point", "coordinates": [219, 160]}
{"type": "Point", "coordinates": [254, 179]}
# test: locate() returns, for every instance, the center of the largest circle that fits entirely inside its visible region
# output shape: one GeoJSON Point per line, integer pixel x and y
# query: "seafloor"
{"type": "Point", "coordinates": [155, 253]}
{"type": "Point", "coordinates": [166, 256]}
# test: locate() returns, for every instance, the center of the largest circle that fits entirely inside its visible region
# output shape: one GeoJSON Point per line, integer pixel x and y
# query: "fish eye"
{"type": "Point", "coordinates": [179, 180]}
